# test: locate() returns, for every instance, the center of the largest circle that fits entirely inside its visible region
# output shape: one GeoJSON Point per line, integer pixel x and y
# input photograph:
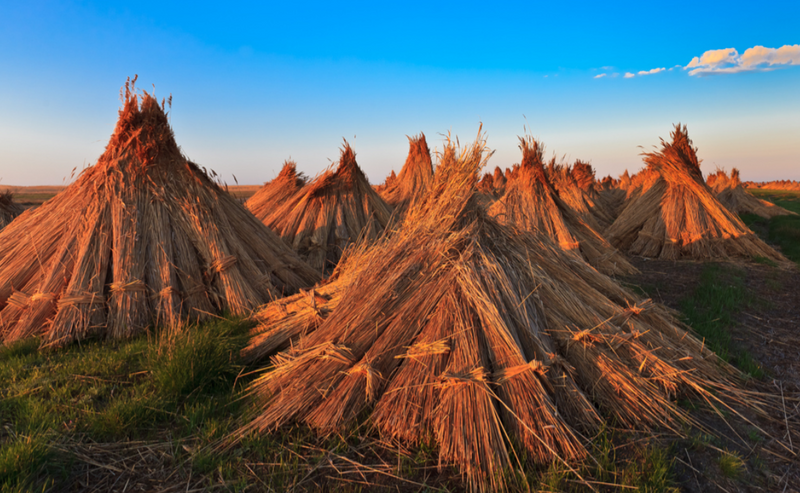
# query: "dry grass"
{"type": "Point", "coordinates": [731, 194]}
{"type": "Point", "coordinates": [334, 210]}
{"type": "Point", "coordinates": [675, 214]}
{"type": "Point", "coordinates": [532, 203]}
{"type": "Point", "coordinates": [414, 179]}
{"type": "Point", "coordinates": [276, 192]}
{"type": "Point", "coordinates": [488, 340]}
{"type": "Point", "coordinates": [143, 237]}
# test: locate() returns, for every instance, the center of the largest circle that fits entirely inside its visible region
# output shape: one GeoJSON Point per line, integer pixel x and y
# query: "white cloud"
{"type": "Point", "coordinates": [757, 58]}
{"type": "Point", "coordinates": [652, 71]}
{"type": "Point", "coordinates": [628, 75]}
{"type": "Point", "coordinates": [600, 76]}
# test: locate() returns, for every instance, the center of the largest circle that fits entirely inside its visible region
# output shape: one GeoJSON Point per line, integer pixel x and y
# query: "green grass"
{"type": "Point", "coordinates": [731, 464]}
{"type": "Point", "coordinates": [179, 384]}
{"type": "Point", "coordinates": [783, 231]}
{"type": "Point", "coordinates": [711, 309]}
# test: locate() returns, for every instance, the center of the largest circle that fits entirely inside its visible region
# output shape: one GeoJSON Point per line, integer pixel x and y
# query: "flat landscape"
{"type": "Point", "coordinates": [161, 412]}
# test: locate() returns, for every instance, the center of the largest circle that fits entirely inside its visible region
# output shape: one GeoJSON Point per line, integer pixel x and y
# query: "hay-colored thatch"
{"type": "Point", "coordinates": [331, 212]}
{"type": "Point", "coordinates": [459, 330]}
{"type": "Point", "coordinates": [732, 195]}
{"type": "Point", "coordinates": [678, 215]}
{"type": "Point", "coordinates": [8, 209]}
{"type": "Point", "coordinates": [414, 179]}
{"type": "Point", "coordinates": [531, 203]}
{"type": "Point", "coordinates": [276, 192]}
{"type": "Point", "coordinates": [142, 238]}
{"type": "Point", "coordinates": [575, 186]}
{"type": "Point", "coordinates": [387, 183]}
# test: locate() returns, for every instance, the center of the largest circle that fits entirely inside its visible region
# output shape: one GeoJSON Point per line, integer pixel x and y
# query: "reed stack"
{"type": "Point", "coordinates": [142, 238]}
{"type": "Point", "coordinates": [676, 215]}
{"type": "Point", "coordinates": [481, 337]}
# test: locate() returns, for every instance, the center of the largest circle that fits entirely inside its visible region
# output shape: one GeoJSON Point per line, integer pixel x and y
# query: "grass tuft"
{"type": "Point", "coordinates": [712, 308]}
{"type": "Point", "coordinates": [731, 464]}
{"type": "Point", "coordinates": [193, 360]}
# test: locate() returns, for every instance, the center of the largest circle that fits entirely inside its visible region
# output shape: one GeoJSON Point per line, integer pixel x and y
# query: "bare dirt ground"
{"type": "Point", "coordinates": [768, 327]}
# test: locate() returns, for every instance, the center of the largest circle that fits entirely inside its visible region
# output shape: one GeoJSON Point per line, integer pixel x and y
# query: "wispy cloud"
{"type": "Point", "coordinates": [600, 76]}
{"type": "Point", "coordinates": [652, 71]}
{"type": "Point", "coordinates": [757, 58]}
{"type": "Point", "coordinates": [629, 75]}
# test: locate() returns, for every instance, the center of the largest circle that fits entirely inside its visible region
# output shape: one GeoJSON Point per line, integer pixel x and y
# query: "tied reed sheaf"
{"type": "Point", "coordinates": [675, 214]}
{"type": "Point", "coordinates": [332, 211]}
{"type": "Point", "coordinates": [463, 331]}
{"type": "Point", "coordinates": [276, 192]}
{"type": "Point", "coordinates": [143, 237]}
{"type": "Point", "coordinates": [575, 186]}
{"type": "Point", "coordinates": [532, 203]}
{"type": "Point", "coordinates": [735, 198]}
{"type": "Point", "coordinates": [414, 179]}
{"type": "Point", "coordinates": [8, 209]}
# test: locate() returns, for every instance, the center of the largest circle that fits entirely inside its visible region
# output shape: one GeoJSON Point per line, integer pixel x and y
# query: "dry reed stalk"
{"type": "Point", "coordinates": [144, 237]}
{"type": "Point", "coordinates": [414, 179]}
{"type": "Point", "coordinates": [274, 193]}
{"type": "Point", "coordinates": [480, 336]}
{"type": "Point", "coordinates": [336, 208]}
{"type": "Point", "coordinates": [8, 209]}
{"type": "Point", "coordinates": [735, 198]}
{"type": "Point", "coordinates": [531, 203]}
{"type": "Point", "coordinates": [575, 186]}
{"type": "Point", "coordinates": [675, 214]}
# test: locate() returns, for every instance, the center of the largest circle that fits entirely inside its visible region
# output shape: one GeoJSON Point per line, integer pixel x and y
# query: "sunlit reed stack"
{"type": "Point", "coordinates": [482, 338]}
{"type": "Point", "coordinates": [329, 213]}
{"type": "Point", "coordinates": [142, 238]}
{"type": "Point", "coordinates": [531, 203]}
{"type": "Point", "coordinates": [676, 215]}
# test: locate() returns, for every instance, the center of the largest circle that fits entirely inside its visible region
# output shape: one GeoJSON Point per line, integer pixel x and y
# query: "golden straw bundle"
{"type": "Point", "coordinates": [735, 198]}
{"type": "Point", "coordinates": [483, 338]}
{"type": "Point", "coordinates": [336, 208]}
{"type": "Point", "coordinates": [143, 237]}
{"type": "Point", "coordinates": [414, 179]}
{"type": "Point", "coordinates": [274, 193]}
{"type": "Point", "coordinates": [676, 215]}
{"type": "Point", "coordinates": [531, 203]}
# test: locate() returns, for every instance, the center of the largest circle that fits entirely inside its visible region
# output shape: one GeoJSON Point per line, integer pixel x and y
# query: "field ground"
{"type": "Point", "coordinates": [35, 196]}
{"type": "Point", "coordinates": [155, 413]}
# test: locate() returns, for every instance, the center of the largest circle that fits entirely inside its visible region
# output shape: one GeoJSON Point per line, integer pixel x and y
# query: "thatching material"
{"type": "Point", "coordinates": [678, 215]}
{"type": "Point", "coordinates": [463, 331]}
{"type": "Point", "coordinates": [330, 213]}
{"type": "Point", "coordinates": [8, 209]}
{"type": "Point", "coordinates": [276, 192]}
{"type": "Point", "coordinates": [143, 237]}
{"type": "Point", "coordinates": [732, 195]}
{"type": "Point", "coordinates": [531, 203]}
{"type": "Point", "coordinates": [389, 180]}
{"type": "Point", "coordinates": [415, 177]}
{"type": "Point", "coordinates": [575, 186]}
{"type": "Point", "coordinates": [624, 180]}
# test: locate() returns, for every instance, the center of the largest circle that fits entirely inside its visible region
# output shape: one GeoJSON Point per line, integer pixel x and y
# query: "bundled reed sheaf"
{"type": "Point", "coordinates": [274, 193]}
{"type": "Point", "coordinates": [532, 204]}
{"type": "Point", "coordinates": [731, 194]}
{"type": "Point", "coordinates": [143, 237]}
{"type": "Point", "coordinates": [678, 216]}
{"type": "Point", "coordinates": [414, 179]}
{"type": "Point", "coordinates": [461, 331]}
{"type": "Point", "coordinates": [575, 186]}
{"type": "Point", "coordinates": [332, 211]}
{"type": "Point", "coordinates": [8, 209]}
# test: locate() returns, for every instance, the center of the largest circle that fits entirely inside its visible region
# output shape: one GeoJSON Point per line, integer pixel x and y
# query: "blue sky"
{"type": "Point", "coordinates": [254, 84]}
